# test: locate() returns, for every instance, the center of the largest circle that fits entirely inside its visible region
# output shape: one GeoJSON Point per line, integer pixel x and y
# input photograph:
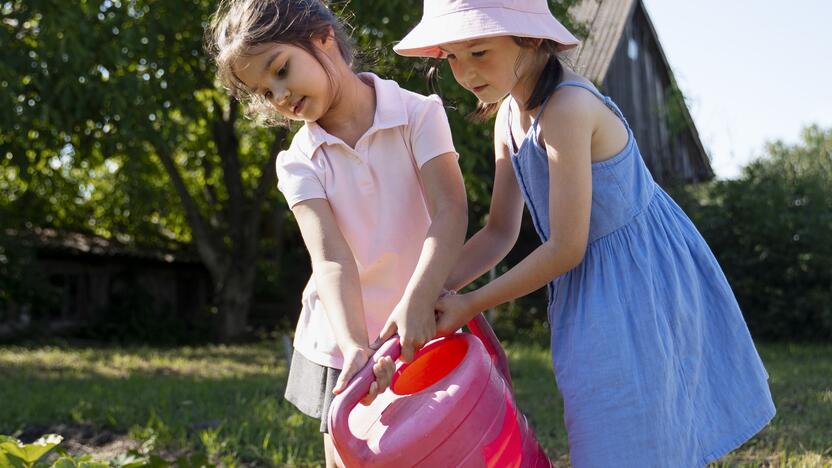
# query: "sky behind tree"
{"type": "Point", "coordinates": [753, 71]}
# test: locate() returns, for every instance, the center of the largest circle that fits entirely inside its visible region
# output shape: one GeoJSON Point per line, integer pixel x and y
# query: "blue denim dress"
{"type": "Point", "coordinates": [649, 348]}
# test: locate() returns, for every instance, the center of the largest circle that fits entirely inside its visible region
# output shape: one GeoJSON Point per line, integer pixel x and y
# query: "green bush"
{"type": "Point", "coordinates": [771, 230]}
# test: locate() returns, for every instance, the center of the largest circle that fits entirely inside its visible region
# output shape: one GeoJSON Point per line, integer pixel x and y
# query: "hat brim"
{"type": "Point", "coordinates": [424, 40]}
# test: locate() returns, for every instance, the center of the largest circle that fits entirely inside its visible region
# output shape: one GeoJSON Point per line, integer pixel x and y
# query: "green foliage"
{"type": "Point", "coordinates": [16, 454]}
{"type": "Point", "coordinates": [94, 94]}
{"type": "Point", "coordinates": [90, 87]}
{"type": "Point", "coordinates": [770, 230]}
{"type": "Point", "coordinates": [91, 83]}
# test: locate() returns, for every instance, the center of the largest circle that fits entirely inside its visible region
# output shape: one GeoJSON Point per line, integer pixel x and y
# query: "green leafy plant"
{"type": "Point", "coordinates": [16, 454]}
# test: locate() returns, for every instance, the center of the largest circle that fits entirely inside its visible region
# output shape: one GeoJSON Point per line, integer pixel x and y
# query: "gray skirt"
{"type": "Point", "coordinates": [309, 388]}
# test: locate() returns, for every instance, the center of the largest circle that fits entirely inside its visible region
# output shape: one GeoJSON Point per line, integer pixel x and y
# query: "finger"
{"type": "Point", "coordinates": [431, 332]}
{"type": "Point", "coordinates": [345, 377]}
{"type": "Point", "coordinates": [387, 331]}
{"type": "Point", "coordinates": [389, 369]}
{"type": "Point", "coordinates": [442, 326]}
{"type": "Point", "coordinates": [371, 395]}
{"type": "Point", "coordinates": [384, 373]}
{"type": "Point", "coordinates": [407, 350]}
{"type": "Point", "coordinates": [340, 383]}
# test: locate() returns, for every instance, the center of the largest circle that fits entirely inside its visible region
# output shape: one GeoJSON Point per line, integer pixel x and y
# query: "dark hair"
{"type": "Point", "coordinates": [550, 77]}
{"type": "Point", "coordinates": [239, 25]}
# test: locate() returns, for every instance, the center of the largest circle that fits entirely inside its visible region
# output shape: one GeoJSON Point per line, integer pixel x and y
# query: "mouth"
{"type": "Point", "coordinates": [298, 106]}
{"type": "Point", "coordinates": [477, 89]}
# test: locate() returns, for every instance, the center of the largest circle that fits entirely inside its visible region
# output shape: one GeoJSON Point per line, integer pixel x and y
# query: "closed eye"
{"type": "Point", "coordinates": [283, 70]}
{"type": "Point", "coordinates": [479, 53]}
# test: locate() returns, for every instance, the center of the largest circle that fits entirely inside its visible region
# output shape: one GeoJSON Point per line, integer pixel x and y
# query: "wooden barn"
{"type": "Point", "coordinates": [623, 57]}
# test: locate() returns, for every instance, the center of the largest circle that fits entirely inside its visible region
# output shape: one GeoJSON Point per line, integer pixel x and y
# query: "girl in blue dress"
{"type": "Point", "coordinates": [649, 347]}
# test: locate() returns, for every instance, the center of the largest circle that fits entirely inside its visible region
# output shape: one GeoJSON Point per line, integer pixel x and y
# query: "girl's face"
{"type": "Point", "coordinates": [289, 78]}
{"type": "Point", "coordinates": [488, 67]}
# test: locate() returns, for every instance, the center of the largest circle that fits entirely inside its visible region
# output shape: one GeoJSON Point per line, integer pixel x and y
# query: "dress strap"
{"type": "Point", "coordinates": [540, 112]}
{"type": "Point", "coordinates": [509, 133]}
{"type": "Point", "coordinates": [605, 99]}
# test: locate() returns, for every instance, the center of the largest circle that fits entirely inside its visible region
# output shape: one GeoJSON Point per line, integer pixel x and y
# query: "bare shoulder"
{"type": "Point", "coordinates": [571, 112]}
{"type": "Point", "coordinates": [573, 101]}
{"type": "Point", "coordinates": [500, 121]}
{"type": "Point", "coordinates": [501, 130]}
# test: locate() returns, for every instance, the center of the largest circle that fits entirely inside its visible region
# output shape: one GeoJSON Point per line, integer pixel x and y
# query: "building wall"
{"type": "Point", "coordinates": [88, 288]}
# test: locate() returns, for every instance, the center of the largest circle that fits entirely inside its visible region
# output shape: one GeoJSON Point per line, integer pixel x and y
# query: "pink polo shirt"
{"type": "Point", "coordinates": [375, 193]}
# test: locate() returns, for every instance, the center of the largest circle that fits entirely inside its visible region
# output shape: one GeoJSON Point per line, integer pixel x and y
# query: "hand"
{"type": "Point", "coordinates": [355, 358]}
{"type": "Point", "coordinates": [452, 312]}
{"type": "Point", "coordinates": [414, 322]}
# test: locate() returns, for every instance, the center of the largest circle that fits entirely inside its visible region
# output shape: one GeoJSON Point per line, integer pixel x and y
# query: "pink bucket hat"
{"type": "Point", "coordinates": [445, 21]}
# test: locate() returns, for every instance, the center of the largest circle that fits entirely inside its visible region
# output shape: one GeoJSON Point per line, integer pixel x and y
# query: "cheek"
{"type": "Point", "coordinates": [457, 69]}
{"type": "Point", "coordinates": [454, 67]}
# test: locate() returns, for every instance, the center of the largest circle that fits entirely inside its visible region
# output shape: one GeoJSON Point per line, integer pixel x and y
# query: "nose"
{"type": "Point", "coordinates": [463, 72]}
{"type": "Point", "coordinates": [469, 77]}
{"type": "Point", "coordinates": [281, 95]}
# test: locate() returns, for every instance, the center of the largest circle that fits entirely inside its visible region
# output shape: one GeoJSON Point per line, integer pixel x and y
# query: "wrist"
{"type": "Point", "coordinates": [354, 345]}
{"type": "Point", "coordinates": [416, 301]}
{"type": "Point", "coordinates": [477, 302]}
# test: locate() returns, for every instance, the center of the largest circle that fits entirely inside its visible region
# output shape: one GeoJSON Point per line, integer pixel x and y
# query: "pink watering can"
{"type": "Point", "coordinates": [451, 406]}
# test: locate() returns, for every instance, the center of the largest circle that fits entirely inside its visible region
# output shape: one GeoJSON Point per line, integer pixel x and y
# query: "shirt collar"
{"type": "Point", "coordinates": [390, 112]}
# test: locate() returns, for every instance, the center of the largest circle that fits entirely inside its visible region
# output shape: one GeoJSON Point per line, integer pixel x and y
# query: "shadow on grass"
{"type": "Point", "coordinates": [227, 402]}
{"type": "Point", "coordinates": [800, 381]}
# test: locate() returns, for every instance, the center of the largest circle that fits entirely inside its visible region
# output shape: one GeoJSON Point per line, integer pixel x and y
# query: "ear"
{"type": "Point", "coordinates": [327, 42]}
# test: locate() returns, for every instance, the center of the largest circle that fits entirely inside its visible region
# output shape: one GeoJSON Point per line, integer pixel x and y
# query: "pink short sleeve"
{"type": "Point", "coordinates": [297, 178]}
{"type": "Point", "coordinates": [430, 131]}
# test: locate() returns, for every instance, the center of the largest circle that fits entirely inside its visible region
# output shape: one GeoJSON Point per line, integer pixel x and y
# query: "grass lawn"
{"type": "Point", "coordinates": [226, 402]}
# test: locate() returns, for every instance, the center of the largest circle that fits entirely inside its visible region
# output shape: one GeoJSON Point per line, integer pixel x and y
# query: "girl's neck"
{"type": "Point", "coordinates": [522, 91]}
{"type": "Point", "coordinates": [353, 111]}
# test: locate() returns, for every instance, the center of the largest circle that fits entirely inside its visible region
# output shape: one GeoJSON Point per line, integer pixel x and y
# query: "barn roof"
{"type": "Point", "coordinates": [605, 21]}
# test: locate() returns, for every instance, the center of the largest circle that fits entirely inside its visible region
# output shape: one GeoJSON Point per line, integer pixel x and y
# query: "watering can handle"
{"type": "Point", "coordinates": [359, 386]}
{"type": "Point", "coordinates": [357, 389]}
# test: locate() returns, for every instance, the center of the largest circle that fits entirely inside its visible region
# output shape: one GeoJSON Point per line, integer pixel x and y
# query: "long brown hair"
{"type": "Point", "coordinates": [239, 25]}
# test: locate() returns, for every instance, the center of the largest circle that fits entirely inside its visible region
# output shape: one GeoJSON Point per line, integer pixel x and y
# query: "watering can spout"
{"type": "Point", "coordinates": [481, 329]}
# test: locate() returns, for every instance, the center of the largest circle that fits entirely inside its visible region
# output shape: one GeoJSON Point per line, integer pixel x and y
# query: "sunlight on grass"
{"type": "Point", "coordinates": [223, 400]}
{"type": "Point", "coordinates": [226, 401]}
{"type": "Point", "coordinates": [206, 362]}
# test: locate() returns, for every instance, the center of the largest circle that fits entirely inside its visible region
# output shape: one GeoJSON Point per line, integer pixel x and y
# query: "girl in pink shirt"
{"type": "Point", "coordinates": [372, 179]}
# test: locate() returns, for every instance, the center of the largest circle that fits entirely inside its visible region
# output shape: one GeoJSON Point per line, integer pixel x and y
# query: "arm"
{"type": "Point", "coordinates": [337, 281]}
{"type": "Point", "coordinates": [570, 200]}
{"type": "Point", "coordinates": [334, 271]}
{"type": "Point", "coordinates": [414, 317]}
{"type": "Point", "coordinates": [493, 242]}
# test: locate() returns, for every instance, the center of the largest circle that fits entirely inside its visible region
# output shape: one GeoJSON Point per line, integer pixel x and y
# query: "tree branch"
{"type": "Point", "coordinates": [225, 139]}
{"type": "Point", "coordinates": [208, 243]}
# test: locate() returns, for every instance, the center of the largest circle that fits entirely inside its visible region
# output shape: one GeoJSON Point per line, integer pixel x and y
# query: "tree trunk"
{"type": "Point", "coordinates": [234, 298]}
{"type": "Point", "coordinates": [229, 250]}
